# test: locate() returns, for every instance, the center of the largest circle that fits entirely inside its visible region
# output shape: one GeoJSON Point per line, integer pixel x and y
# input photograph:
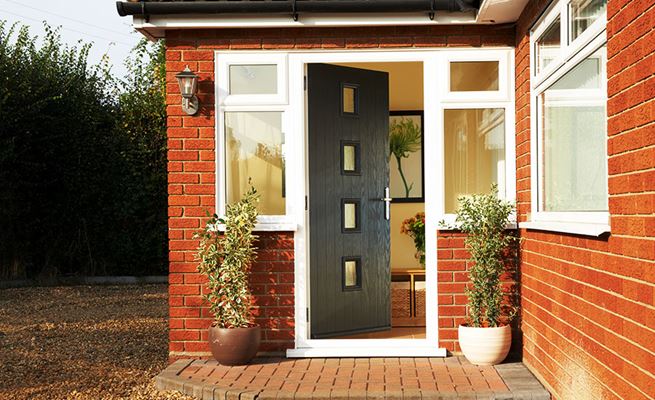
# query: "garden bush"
{"type": "Point", "coordinates": [82, 160]}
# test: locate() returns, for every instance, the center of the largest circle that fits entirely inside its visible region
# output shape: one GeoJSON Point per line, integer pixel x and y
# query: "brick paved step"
{"type": "Point", "coordinates": [351, 378]}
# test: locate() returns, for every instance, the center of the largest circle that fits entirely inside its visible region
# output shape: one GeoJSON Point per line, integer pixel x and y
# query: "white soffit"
{"type": "Point", "coordinates": [491, 12]}
{"type": "Point", "coordinates": [500, 11]}
{"type": "Point", "coordinates": [154, 26]}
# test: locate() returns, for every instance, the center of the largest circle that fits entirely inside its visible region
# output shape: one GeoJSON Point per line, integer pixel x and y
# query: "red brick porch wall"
{"type": "Point", "coordinates": [588, 303]}
{"type": "Point", "coordinates": [192, 176]}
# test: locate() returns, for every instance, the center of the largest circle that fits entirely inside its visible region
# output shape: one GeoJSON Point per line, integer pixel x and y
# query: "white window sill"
{"type": "Point", "coordinates": [269, 227]}
{"type": "Point", "coordinates": [455, 227]}
{"type": "Point", "coordinates": [578, 228]}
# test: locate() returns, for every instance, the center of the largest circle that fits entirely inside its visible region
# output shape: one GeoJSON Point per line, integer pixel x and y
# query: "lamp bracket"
{"type": "Point", "coordinates": [190, 105]}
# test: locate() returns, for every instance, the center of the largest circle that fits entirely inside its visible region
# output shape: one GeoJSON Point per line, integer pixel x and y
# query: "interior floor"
{"type": "Point", "coordinates": [413, 332]}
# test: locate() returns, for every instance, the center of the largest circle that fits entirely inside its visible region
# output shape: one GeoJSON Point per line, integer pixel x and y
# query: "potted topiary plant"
{"type": "Point", "coordinates": [226, 260]}
{"type": "Point", "coordinates": [486, 338]}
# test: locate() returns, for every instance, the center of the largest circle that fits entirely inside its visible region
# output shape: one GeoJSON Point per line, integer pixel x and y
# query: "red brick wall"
{"type": "Point", "coordinates": [192, 175]}
{"type": "Point", "coordinates": [451, 278]}
{"type": "Point", "coordinates": [588, 303]}
{"type": "Point", "coordinates": [453, 266]}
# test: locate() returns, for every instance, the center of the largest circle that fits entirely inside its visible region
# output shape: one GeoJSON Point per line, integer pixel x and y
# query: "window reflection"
{"type": "Point", "coordinates": [548, 45]}
{"type": "Point", "coordinates": [473, 76]}
{"type": "Point", "coordinates": [474, 152]}
{"type": "Point", "coordinates": [254, 150]}
{"type": "Point", "coordinates": [574, 138]}
{"type": "Point", "coordinates": [584, 13]}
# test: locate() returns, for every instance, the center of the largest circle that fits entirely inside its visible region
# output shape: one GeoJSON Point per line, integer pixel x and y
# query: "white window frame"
{"type": "Point", "coordinates": [223, 78]}
{"type": "Point", "coordinates": [504, 77]}
{"type": "Point", "coordinates": [436, 99]}
{"type": "Point", "coordinates": [571, 53]}
{"type": "Point", "coordinates": [253, 103]}
{"type": "Point", "coordinates": [501, 98]}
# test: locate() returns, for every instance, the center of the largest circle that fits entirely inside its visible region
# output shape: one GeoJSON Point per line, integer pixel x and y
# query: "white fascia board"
{"type": "Point", "coordinates": [500, 11]}
{"type": "Point", "coordinates": [157, 23]}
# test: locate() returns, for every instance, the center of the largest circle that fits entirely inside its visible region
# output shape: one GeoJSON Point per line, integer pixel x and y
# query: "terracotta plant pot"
{"type": "Point", "coordinates": [234, 346]}
{"type": "Point", "coordinates": [485, 346]}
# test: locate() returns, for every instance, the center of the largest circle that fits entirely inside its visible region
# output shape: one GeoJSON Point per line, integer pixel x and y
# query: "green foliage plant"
{"type": "Point", "coordinates": [226, 260]}
{"type": "Point", "coordinates": [484, 218]}
{"type": "Point", "coordinates": [83, 183]}
{"type": "Point", "coordinates": [404, 138]}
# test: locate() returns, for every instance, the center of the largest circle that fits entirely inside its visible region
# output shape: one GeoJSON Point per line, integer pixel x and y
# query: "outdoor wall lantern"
{"type": "Point", "coordinates": [188, 82]}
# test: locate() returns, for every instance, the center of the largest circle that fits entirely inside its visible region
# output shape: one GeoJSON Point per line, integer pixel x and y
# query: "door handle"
{"type": "Point", "coordinates": [387, 203]}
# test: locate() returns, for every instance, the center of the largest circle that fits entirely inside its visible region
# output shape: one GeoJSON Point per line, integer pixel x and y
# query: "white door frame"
{"type": "Point", "coordinates": [437, 97]}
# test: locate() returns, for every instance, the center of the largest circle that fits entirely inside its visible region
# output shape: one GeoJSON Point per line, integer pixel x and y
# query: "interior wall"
{"type": "Point", "coordinates": [405, 94]}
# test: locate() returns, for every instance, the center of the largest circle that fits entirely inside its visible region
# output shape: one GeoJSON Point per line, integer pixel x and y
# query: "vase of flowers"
{"type": "Point", "coordinates": [414, 227]}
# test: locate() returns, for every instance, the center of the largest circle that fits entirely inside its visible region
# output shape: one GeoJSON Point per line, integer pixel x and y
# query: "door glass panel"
{"type": "Point", "coordinates": [349, 158]}
{"type": "Point", "coordinates": [470, 76]}
{"type": "Point", "coordinates": [254, 154]}
{"type": "Point", "coordinates": [349, 99]}
{"type": "Point", "coordinates": [474, 152]}
{"type": "Point", "coordinates": [350, 209]}
{"type": "Point", "coordinates": [253, 79]}
{"type": "Point", "coordinates": [584, 13]}
{"type": "Point", "coordinates": [351, 273]}
{"type": "Point", "coordinates": [548, 45]}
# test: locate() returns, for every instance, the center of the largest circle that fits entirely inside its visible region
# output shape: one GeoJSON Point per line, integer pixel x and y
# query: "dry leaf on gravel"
{"type": "Point", "coordinates": [83, 342]}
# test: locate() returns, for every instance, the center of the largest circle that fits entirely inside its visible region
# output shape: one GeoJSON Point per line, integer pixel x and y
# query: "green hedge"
{"type": "Point", "coordinates": [82, 160]}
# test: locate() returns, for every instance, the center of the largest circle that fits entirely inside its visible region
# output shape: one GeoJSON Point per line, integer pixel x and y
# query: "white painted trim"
{"type": "Point", "coordinates": [504, 92]}
{"type": "Point", "coordinates": [254, 103]}
{"type": "Point", "coordinates": [295, 138]}
{"type": "Point", "coordinates": [500, 11]}
{"type": "Point", "coordinates": [452, 225]}
{"type": "Point", "coordinates": [267, 227]}
{"type": "Point", "coordinates": [378, 351]}
{"type": "Point", "coordinates": [571, 53]}
{"type": "Point", "coordinates": [346, 347]}
{"type": "Point", "coordinates": [568, 50]}
{"type": "Point", "coordinates": [239, 58]}
{"type": "Point", "coordinates": [157, 24]}
{"type": "Point", "coordinates": [578, 228]}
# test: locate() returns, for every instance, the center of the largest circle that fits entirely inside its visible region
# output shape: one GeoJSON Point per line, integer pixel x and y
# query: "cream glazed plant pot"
{"type": "Point", "coordinates": [485, 346]}
{"type": "Point", "coordinates": [486, 337]}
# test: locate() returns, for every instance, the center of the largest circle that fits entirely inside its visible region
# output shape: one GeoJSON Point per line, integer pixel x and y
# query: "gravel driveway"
{"type": "Point", "coordinates": [83, 342]}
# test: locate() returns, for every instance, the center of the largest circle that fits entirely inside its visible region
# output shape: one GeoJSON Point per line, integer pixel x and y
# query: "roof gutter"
{"type": "Point", "coordinates": [293, 7]}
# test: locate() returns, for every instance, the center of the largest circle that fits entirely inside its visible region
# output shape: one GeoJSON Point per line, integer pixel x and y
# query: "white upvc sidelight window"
{"type": "Point", "coordinates": [568, 60]}
{"type": "Point", "coordinates": [252, 117]}
{"type": "Point", "coordinates": [477, 118]}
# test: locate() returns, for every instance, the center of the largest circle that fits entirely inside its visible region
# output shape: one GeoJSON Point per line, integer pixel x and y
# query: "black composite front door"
{"type": "Point", "coordinates": [348, 209]}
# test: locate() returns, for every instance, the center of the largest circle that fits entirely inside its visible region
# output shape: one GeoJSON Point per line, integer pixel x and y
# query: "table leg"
{"type": "Point", "coordinates": [412, 296]}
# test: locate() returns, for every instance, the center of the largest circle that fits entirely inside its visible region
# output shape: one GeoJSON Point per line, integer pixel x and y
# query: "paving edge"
{"type": "Point", "coordinates": [522, 385]}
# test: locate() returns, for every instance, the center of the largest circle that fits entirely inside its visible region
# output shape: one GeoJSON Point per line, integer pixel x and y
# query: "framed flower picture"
{"type": "Point", "coordinates": [406, 156]}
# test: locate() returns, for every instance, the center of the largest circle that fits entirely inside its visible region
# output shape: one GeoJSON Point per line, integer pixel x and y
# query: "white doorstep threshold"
{"type": "Point", "coordinates": [367, 352]}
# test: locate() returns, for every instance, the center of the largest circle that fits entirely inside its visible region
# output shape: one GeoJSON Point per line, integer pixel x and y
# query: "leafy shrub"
{"type": "Point", "coordinates": [82, 160]}
{"type": "Point", "coordinates": [484, 218]}
{"type": "Point", "coordinates": [226, 260]}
